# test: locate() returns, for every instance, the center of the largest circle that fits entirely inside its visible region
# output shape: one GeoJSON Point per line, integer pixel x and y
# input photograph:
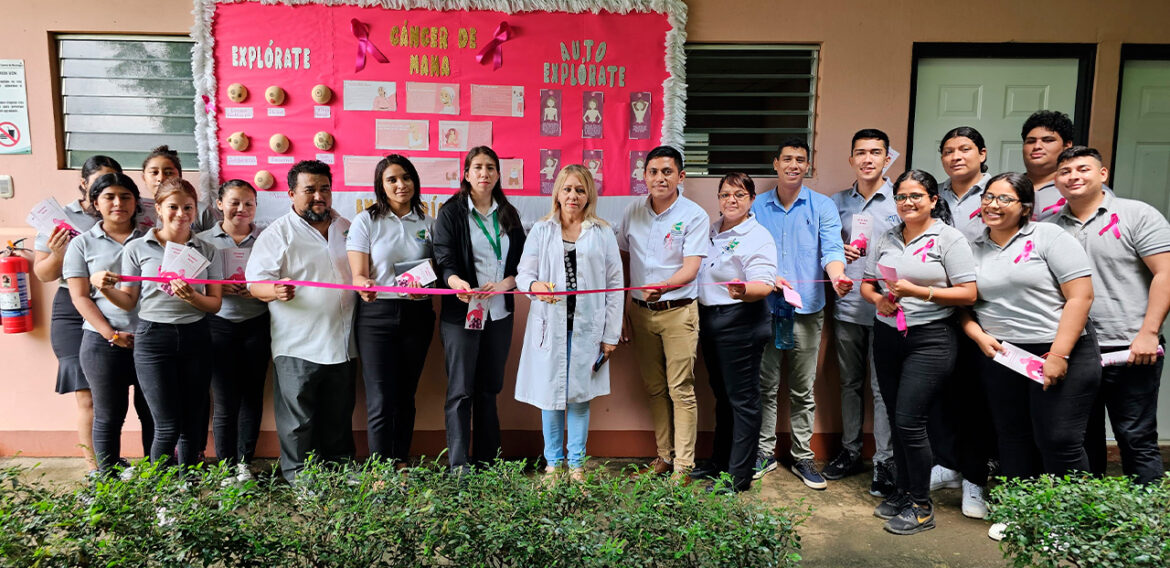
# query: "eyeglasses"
{"type": "Point", "coordinates": [913, 197]}
{"type": "Point", "coordinates": [1003, 199]}
{"type": "Point", "coordinates": [739, 196]}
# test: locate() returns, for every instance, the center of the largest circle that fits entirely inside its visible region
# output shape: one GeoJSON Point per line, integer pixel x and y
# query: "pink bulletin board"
{"type": "Point", "coordinates": [597, 88]}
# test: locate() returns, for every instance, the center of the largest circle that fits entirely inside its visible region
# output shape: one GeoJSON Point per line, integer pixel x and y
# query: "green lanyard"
{"type": "Point", "coordinates": [496, 224]}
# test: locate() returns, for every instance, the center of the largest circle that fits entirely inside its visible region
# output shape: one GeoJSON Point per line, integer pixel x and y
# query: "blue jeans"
{"type": "Point", "coordinates": [553, 424]}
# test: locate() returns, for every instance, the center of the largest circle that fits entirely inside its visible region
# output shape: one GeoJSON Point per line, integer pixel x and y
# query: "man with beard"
{"type": "Point", "coordinates": [312, 341]}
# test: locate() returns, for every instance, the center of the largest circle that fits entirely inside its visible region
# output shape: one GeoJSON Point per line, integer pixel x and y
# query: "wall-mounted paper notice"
{"type": "Point", "coordinates": [1021, 362]}
{"type": "Point", "coordinates": [497, 100]}
{"type": "Point", "coordinates": [438, 172]}
{"type": "Point", "coordinates": [592, 159]}
{"type": "Point", "coordinates": [640, 114]}
{"type": "Point", "coordinates": [432, 98]}
{"type": "Point", "coordinates": [550, 112]}
{"type": "Point", "coordinates": [638, 172]}
{"type": "Point", "coordinates": [512, 173]}
{"type": "Point", "coordinates": [369, 95]}
{"type": "Point", "coordinates": [358, 171]}
{"type": "Point", "coordinates": [550, 165]}
{"type": "Point", "coordinates": [593, 103]}
{"type": "Point", "coordinates": [395, 134]}
{"type": "Point", "coordinates": [460, 135]}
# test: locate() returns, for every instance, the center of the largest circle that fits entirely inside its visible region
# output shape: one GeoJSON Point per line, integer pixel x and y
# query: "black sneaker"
{"type": "Point", "coordinates": [806, 470]}
{"type": "Point", "coordinates": [885, 474]}
{"type": "Point", "coordinates": [891, 506]}
{"type": "Point", "coordinates": [706, 470]}
{"type": "Point", "coordinates": [912, 520]}
{"type": "Point", "coordinates": [845, 464]}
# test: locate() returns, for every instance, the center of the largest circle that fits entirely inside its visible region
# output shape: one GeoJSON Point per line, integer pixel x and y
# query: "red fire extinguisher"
{"type": "Point", "coordinates": [15, 304]}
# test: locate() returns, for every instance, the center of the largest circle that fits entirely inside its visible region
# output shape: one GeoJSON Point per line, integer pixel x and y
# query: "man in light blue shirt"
{"type": "Point", "coordinates": [807, 230]}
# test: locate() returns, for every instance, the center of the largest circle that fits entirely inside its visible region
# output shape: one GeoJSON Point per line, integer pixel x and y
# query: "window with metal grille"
{"type": "Point", "coordinates": [123, 95]}
{"type": "Point", "coordinates": [743, 101]}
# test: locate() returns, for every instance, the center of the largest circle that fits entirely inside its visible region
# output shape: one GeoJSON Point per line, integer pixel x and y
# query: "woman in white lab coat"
{"type": "Point", "coordinates": [568, 339]}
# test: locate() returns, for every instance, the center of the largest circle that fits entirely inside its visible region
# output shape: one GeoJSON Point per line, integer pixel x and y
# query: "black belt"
{"type": "Point", "coordinates": [663, 305]}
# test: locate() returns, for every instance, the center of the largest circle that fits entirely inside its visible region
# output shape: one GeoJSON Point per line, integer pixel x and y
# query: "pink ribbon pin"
{"type": "Point", "coordinates": [923, 250]}
{"type": "Point", "coordinates": [975, 213]}
{"type": "Point", "coordinates": [494, 48]}
{"type": "Point", "coordinates": [365, 46]}
{"type": "Point", "coordinates": [1024, 256]}
{"type": "Point", "coordinates": [1113, 221]}
{"type": "Point", "coordinates": [208, 106]}
{"type": "Point", "coordinates": [1059, 203]}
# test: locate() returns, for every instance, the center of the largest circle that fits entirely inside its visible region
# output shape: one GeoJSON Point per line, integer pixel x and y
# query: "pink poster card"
{"type": "Point", "coordinates": [432, 98]}
{"type": "Point", "coordinates": [359, 170]}
{"type": "Point", "coordinates": [592, 162]}
{"type": "Point", "coordinates": [550, 165]}
{"type": "Point", "coordinates": [369, 95]}
{"type": "Point", "coordinates": [438, 173]}
{"type": "Point", "coordinates": [512, 173]}
{"type": "Point", "coordinates": [592, 103]}
{"type": "Point", "coordinates": [396, 134]}
{"type": "Point", "coordinates": [497, 100]}
{"type": "Point", "coordinates": [550, 112]}
{"type": "Point", "coordinates": [640, 115]}
{"type": "Point", "coordinates": [461, 135]}
{"type": "Point", "coordinates": [638, 172]}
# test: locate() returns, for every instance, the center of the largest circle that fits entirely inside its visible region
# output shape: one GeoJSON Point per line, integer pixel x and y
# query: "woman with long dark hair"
{"type": "Point", "coordinates": [914, 337]}
{"type": "Point", "coordinates": [393, 332]}
{"type": "Point", "coordinates": [478, 241]}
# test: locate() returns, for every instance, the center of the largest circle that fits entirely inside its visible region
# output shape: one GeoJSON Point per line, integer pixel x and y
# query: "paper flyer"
{"type": "Point", "coordinates": [888, 273]}
{"type": "Point", "coordinates": [640, 115]}
{"type": "Point", "coordinates": [593, 103]}
{"type": "Point", "coordinates": [438, 172]}
{"type": "Point", "coordinates": [638, 173]}
{"type": "Point", "coordinates": [461, 135]}
{"type": "Point", "coordinates": [181, 261]}
{"type": "Point", "coordinates": [511, 173]}
{"type": "Point", "coordinates": [1116, 358]}
{"type": "Point", "coordinates": [421, 276]}
{"type": "Point", "coordinates": [235, 260]}
{"type": "Point", "coordinates": [550, 165]}
{"type": "Point", "coordinates": [592, 159]}
{"type": "Point", "coordinates": [550, 112]}
{"type": "Point", "coordinates": [47, 215]}
{"type": "Point", "coordinates": [369, 95]}
{"type": "Point", "coordinates": [476, 314]}
{"type": "Point", "coordinates": [432, 98]}
{"type": "Point", "coordinates": [792, 297]}
{"type": "Point", "coordinates": [497, 100]}
{"type": "Point", "coordinates": [397, 134]}
{"type": "Point", "coordinates": [860, 232]}
{"type": "Point", "coordinates": [14, 127]}
{"type": "Point", "coordinates": [1021, 362]}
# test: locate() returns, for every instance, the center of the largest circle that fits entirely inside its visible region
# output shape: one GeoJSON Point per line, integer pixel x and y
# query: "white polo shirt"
{"type": "Point", "coordinates": [388, 240]}
{"type": "Point", "coordinates": [317, 324]}
{"type": "Point", "coordinates": [966, 209]}
{"type": "Point", "coordinates": [658, 243]}
{"type": "Point", "coordinates": [745, 252]}
{"type": "Point", "coordinates": [939, 257]}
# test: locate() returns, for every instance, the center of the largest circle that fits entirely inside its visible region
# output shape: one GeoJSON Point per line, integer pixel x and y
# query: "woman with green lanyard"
{"type": "Point", "coordinates": [478, 239]}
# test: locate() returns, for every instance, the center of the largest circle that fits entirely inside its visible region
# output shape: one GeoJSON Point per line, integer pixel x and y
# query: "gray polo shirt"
{"type": "Point", "coordinates": [144, 257]}
{"type": "Point", "coordinates": [391, 239]}
{"type": "Point", "coordinates": [880, 207]}
{"type": "Point", "coordinates": [206, 218]}
{"type": "Point", "coordinates": [966, 209]}
{"type": "Point", "coordinates": [1019, 284]}
{"type": "Point", "coordinates": [234, 308]}
{"type": "Point", "coordinates": [939, 257]}
{"type": "Point", "coordinates": [94, 251]}
{"type": "Point", "coordinates": [75, 216]}
{"type": "Point", "coordinates": [1118, 235]}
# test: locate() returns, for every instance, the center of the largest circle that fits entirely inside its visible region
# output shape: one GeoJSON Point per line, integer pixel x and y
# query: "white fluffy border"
{"type": "Point", "coordinates": [674, 87]}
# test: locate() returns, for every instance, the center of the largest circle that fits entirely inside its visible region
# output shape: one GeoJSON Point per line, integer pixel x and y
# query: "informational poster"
{"type": "Point", "coordinates": [542, 88]}
{"type": "Point", "coordinates": [14, 138]}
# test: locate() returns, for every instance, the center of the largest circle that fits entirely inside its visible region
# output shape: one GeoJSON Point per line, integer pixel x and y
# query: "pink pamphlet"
{"type": "Point", "coordinates": [1021, 362]}
{"type": "Point", "coordinates": [47, 215]}
{"type": "Point", "coordinates": [860, 232]}
{"type": "Point", "coordinates": [235, 261]}
{"type": "Point", "coordinates": [792, 297]}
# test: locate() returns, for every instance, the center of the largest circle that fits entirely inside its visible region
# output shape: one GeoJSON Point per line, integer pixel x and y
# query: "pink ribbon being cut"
{"type": "Point", "coordinates": [1059, 203]}
{"type": "Point", "coordinates": [494, 48]}
{"type": "Point", "coordinates": [1024, 256]}
{"type": "Point", "coordinates": [900, 316]}
{"type": "Point", "coordinates": [1113, 220]}
{"type": "Point", "coordinates": [365, 46]}
{"type": "Point", "coordinates": [925, 249]}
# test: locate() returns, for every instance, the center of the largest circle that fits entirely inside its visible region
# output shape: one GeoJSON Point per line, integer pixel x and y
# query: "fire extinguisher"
{"type": "Point", "coordinates": [15, 304]}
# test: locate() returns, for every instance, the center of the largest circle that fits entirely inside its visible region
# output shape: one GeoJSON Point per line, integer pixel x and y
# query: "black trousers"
{"type": "Point", "coordinates": [961, 434]}
{"type": "Point", "coordinates": [475, 376]}
{"type": "Point", "coordinates": [1130, 392]}
{"type": "Point", "coordinates": [239, 368]}
{"type": "Point", "coordinates": [913, 371]}
{"type": "Point", "coordinates": [733, 338]}
{"type": "Point", "coordinates": [174, 369]}
{"type": "Point", "coordinates": [110, 370]}
{"type": "Point", "coordinates": [313, 407]}
{"type": "Point", "coordinates": [1044, 431]}
{"type": "Point", "coordinates": [393, 337]}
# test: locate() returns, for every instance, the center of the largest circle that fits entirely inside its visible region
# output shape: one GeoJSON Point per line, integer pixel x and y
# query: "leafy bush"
{"type": "Point", "coordinates": [1084, 521]}
{"type": "Point", "coordinates": [374, 515]}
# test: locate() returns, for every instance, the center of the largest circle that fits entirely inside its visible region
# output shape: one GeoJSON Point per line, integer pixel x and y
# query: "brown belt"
{"type": "Point", "coordinates": [663, 305]}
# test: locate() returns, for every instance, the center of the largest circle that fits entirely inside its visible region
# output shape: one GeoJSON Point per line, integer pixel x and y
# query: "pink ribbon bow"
{"type": "Point", "coordinates": [208, 106]}
{"type": "Point", "coordinates": [365, 46]}
{"type": "Point", "coordinates": [1024, 256]}
{"type": "Point", "coordinates": [975, 213]}
{"type": "Point", "coordinates": [900, 316]}
{"type": "Point", "coordinates": [923, 250]}
{"type": "Point", "coordinates": [494, 48]}
{"type": "Point", "coordinates": [1113, 220]}
{"type": "Point", "coordinates": [1059, 203]}
{"type": "Point", "coordinates": [166, 286]}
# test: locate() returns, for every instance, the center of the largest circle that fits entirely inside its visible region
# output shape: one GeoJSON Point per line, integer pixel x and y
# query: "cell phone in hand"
{"type": "Point", "coordinates": [601, 359]}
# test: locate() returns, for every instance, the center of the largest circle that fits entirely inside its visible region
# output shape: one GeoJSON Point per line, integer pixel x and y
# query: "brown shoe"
{"type": "Point", "coordinates": [657, 467]}
{"type": "Point", "coordinates": [577, 475]}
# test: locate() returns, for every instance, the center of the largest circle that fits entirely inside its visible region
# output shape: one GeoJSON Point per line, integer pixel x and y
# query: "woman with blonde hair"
{"type": "Point", "coordinates": [568, 339]}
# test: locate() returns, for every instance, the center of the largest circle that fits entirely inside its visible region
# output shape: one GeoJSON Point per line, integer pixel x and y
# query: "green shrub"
{"type": "Point", "coordinates": [1084, 521]}
{"type": "Point", "coordinates": [374, 515]}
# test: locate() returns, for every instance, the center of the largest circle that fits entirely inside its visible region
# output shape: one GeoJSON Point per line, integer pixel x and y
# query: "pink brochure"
{"type": "Point", "coordinates": [792, 297]}
{"type": "Point", "coordinates": [1021, 362]}
{"type": "Point", "coordinates": [888, 273]}
{"type": "Point", "coordinates": [48, 215]}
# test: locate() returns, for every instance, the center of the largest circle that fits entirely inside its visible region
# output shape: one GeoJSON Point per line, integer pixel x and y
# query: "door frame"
{"type": "Point", "coordinates": [1084, 53]}
{"type": "Point", "coordinates": [1131, 52]}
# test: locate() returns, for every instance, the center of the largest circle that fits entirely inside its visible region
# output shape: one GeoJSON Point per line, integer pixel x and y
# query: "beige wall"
{"type": "Point", "coordinates": [864, 82]}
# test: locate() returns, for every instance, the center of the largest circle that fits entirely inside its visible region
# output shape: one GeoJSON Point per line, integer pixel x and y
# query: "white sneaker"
{"type": "Point", "coordinates": [944, 478]}
{"type": "Point", "coordinates": [243, 474]}
{"type": "Point", "coordinates": [974, 505]}
{"type": "Point", "coordinates": [996, 531]}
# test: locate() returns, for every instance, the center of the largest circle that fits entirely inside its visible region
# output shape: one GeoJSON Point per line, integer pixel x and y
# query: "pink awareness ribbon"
{"type": "Point", "coordinates": [494, 48]}
{"type": "Point", "coordinates": [208, 106]}
{"type": "Point", "coordinates": [1113, 221]}
{"type": "Point", "coordinates": [923, 250]}
{"type": "Point", "coordinates": [365, 46]}
{"type": "Point", "coordinates": [975, 213]}
{"type": "Point", "coordinates": [1059, 203]}
{"type": "Point", "coordinates": [1024, 256]}
{"type": "Point", "coordinates": [900, 316]}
